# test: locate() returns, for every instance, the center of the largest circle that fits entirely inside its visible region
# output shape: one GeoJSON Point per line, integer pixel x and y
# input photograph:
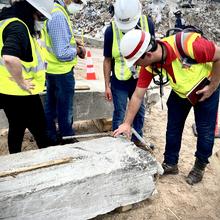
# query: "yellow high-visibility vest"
{"type": "Point", "coordinates": [186, 78]}
{"type": "Point", "coordinates": [122, 72]}
{"type": "Point", "coordinates": [55, 66]}
{"type": "Point", "coordinates": [30, 70]}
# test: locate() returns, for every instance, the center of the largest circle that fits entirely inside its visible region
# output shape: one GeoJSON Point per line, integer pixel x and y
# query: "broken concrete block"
{"type": "Point", "coordinates": [85, 106]}
{"type": "Point", "coordinates": [85, 103]}
{"type": "Point", "coordinates": [95, 177]}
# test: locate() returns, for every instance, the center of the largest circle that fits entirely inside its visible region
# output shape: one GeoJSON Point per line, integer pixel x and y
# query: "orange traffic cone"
{"type": "Point", "coordinates": [90, 71]}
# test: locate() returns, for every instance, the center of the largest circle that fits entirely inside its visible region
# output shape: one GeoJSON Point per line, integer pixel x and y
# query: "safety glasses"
{"type": "Point", "coordinates": [143, 55]}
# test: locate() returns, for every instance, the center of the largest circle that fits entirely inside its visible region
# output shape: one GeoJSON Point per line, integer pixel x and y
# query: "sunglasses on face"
{"type": "Point", "coordinates": [143, 55]}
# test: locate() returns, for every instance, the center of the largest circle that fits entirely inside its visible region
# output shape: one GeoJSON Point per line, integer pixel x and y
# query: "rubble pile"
{"type": "Point", "coordinates": [93, 18]}
{"type": "Point", "coordinates": [206, 16]}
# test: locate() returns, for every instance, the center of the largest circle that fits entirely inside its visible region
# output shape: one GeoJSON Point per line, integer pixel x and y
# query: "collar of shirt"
{"type": "Point", "coordinates": [171, 55]}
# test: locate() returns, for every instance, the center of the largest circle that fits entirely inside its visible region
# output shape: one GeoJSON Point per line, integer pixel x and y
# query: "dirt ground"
{"type": "Point", "coordinates": [175, 199]}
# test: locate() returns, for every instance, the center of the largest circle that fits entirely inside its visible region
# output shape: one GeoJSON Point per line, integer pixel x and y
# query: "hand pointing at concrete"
{"type": "Point", "coordinates": [123, 129]}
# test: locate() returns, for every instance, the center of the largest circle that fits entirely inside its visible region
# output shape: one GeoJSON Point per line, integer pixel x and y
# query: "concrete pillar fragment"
{"type": "Point", "coordinates": [101, 175]}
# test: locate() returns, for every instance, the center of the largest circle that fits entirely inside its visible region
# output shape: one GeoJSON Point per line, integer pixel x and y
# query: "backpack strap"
{"type": "Point", "coordinates": [173, 31]}
{"type": "Point", "coordinates": [184, 58]}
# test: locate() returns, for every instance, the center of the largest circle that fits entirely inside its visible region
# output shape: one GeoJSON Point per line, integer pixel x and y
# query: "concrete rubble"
{"type": "Point", "coordinates": [103, 174]}
{"type": "Point", "coordinates": [92, 20]}
{"type": "Point", "coordinates": [85, 103]}
{"type": "Point", "coordinates": [94, 16]}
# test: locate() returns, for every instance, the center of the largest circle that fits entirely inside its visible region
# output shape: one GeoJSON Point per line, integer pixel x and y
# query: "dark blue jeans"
{"type": "Point", "coordinates": [59, 104]}
{"type": "Point", "coordinates": [205, 118]}
{"type": "Point", "coordinates": [24, 112]}
{"type": "Point", "coordinates": [120, 99]}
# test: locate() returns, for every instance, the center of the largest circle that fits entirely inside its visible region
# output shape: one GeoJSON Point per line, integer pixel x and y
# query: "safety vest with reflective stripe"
{"type": "Point", "coordinates": [55, 66]}
{"type": "Point", "coordinates": [122, 72]}
{"type": "Point", "coordinates": [186, 78]}
{"type": "Point", "coordinates": [34, 70]}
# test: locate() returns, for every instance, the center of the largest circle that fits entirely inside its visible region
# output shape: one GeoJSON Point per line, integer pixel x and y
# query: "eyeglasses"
{"type": "Point", "coordinates": [143, 55]}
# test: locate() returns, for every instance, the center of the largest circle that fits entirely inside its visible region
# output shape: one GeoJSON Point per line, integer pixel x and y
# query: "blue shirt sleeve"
{"type": "Point", "coordinates": [60, 35]}
{"type": "Point", "coordinates": [108, 41]}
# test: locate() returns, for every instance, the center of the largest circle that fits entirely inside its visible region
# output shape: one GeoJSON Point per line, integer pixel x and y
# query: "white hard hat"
{"type": "Point", "coordinates": [127, 14]}
{"type": "Point", "coordinates": [134, 44]}
{"type": "Point", "coordinates": [43, 6]}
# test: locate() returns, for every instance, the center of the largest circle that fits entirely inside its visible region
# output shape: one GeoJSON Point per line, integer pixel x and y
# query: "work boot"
{"type": "Point", "coordinates": [170, 169]}
{"type": "Point", "coordinates": [197, 172]}
{"type": "Point", "coordinates": [53, 142]}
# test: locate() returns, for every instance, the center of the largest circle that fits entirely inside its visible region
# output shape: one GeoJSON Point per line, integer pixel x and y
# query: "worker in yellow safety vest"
{"type": "Point", "coordinates": [22, 70]}
{"type": "Point", "coordinates": [120, 80]}
{"type": "Point", "coordinates": [191, 63]}
{"type": "Point", "coordinates": [61, 51]}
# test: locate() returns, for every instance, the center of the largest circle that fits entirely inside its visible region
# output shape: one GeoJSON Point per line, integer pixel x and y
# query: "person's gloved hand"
{"type": "Point", "coordinates": [81, 52]}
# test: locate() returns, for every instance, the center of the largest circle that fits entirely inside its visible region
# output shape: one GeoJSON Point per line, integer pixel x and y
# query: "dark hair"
{"type": "Point", "coordinates": [22, 10]}
{"type": "Point", "coordinates": [111, 10]}
{"type": "Point", "coordinates": [153, 43]}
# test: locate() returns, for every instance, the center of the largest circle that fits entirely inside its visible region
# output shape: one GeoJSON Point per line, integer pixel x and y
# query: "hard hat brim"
{"type": "Point", "coordinates": [131, 62]}
{"type": "Point", "coordinates": [46, 14]}
{"type": "Point", "coordinates": [127, 26]}
{"type": "Point", "coordinates": [41, 9]}
{"type": "Point", "coordinates": [142, 50]}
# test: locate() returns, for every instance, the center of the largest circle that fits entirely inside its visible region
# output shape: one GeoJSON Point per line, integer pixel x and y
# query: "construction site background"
{"type": "Point", "coordinates": [175, 199]}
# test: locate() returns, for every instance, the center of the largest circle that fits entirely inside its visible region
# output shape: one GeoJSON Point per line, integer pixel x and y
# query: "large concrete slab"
{"type": "Point", "coordinates": [88, 104]}
{"type": "Point", "coordinates": [104, 174]}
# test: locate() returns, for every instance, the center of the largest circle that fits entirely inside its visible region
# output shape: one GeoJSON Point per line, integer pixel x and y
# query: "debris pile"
{"type": "Point", "coordinates": [93, 18]}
